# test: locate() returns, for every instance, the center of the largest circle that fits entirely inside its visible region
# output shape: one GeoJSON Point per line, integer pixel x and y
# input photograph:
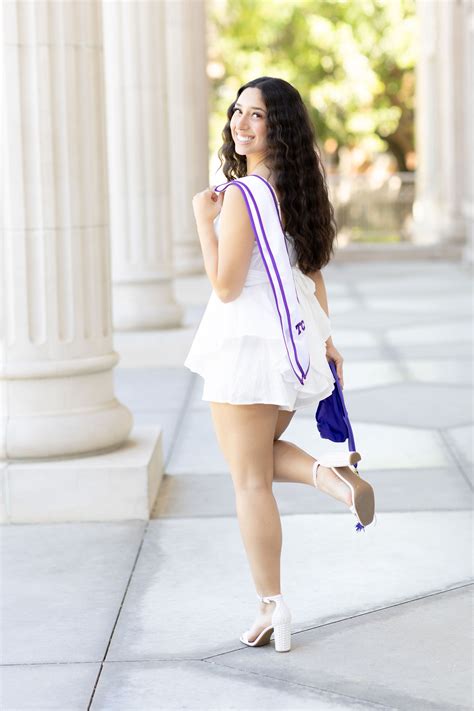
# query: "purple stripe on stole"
{"type": "Point", "coordinates": [243, 187]}
{"type": "Point", "coordinates": [275, 201]}
{"type": "Point", "coordinates": [277, 273]}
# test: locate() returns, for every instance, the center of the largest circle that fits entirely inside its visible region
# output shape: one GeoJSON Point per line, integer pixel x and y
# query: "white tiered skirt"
{"type": "Point", "coordinates": [239, 349]}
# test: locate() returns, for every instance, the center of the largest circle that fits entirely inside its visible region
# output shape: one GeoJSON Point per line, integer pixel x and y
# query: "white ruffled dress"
{"type": "Point", "coordinates": [239, 350]}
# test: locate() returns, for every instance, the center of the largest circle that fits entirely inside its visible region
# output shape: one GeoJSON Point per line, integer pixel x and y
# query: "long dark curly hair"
{"type": "Point", "coordinates": [296, 167]}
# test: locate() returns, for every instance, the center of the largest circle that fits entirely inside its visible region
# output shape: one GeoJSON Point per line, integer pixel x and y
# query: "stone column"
{"type": "Point", "coordinates": [188, 109]}
{"type": "Point", "coordinates": [139, 162]}
{"type": "Point", "coordinates": [468, 123]}
{"type": "Point", "coordinates": [57, 394]}
{"type": "Point", "coordinates": [452, 130]}
{"type": "Point", "coordinates": [426, 214]}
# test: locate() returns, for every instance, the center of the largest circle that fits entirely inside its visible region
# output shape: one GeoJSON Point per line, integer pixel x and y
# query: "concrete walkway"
{"type": "Point", "coordinates": [147, 615]}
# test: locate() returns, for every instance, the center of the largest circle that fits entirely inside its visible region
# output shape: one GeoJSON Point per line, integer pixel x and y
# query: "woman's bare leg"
{"type": "Point", "coordinates": [293, 464]}
{"type": "Point", "coordinates": [245, 434]}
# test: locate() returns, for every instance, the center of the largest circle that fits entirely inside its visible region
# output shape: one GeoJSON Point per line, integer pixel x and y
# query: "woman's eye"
{"type": "Point", "coordinates": [253, 114]}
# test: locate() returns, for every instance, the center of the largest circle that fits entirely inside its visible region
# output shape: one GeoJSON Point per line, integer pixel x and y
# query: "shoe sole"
{"type": "Point", "coordinates": [264, 639]}
{"type": "Point", "coordinates": [363, 493]}
{"type": "Point", "coordinates": [282, 639]}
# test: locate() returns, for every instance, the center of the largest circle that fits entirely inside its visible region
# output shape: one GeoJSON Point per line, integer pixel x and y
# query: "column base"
{"type": "Point", "coordinates": [401, 251]}
{"type": "Point", "coordinates": [187, 259]}
{"type": "Point", "coordinates": [60, 408]}
{"type": "Point", "coordinates": [145, 306]}
{"type": "Point", "coordinates": [115, 486]}
{"type": "Point", "coordinates": [468, 251]}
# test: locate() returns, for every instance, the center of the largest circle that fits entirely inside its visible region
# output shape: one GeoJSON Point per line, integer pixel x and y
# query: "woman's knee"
{"type": "Point", "coordinates": [249, 480]}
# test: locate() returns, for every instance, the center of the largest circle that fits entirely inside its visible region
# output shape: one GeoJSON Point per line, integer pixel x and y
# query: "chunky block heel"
{"type": "Point", "coordinates": [282, 634]}
{"type": "Point", "coordinates": [280, 626]}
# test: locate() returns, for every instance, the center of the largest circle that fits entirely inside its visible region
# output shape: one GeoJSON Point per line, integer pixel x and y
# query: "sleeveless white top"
{"type": "Point", "coordinates": [238, 347]}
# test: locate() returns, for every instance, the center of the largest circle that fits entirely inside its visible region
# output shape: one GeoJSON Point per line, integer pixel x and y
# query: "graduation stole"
{"type": "Point", "coordinates": [264, 216]}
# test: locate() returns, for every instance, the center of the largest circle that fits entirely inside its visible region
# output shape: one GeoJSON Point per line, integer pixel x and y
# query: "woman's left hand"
{"type": "Point", "coordinates": [206, 205]}
{"type": "Point", "coordinates": [333, 354]}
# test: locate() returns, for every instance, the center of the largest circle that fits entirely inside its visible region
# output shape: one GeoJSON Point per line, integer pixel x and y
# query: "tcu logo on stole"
{"type": "Point", "coordinates": [300, 327]}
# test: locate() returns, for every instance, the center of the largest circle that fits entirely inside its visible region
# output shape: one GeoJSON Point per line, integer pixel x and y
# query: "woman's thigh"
{"type": "Point", "coordinates": [245, 434]}
{"type": "Point", "coordinates": [284, 419]}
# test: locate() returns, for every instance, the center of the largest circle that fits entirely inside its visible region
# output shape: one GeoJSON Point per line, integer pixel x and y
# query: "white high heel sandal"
{"type": "Point", "coordinates": [363, 500]}
{"type": "Point", "coordinates": [281, 626]}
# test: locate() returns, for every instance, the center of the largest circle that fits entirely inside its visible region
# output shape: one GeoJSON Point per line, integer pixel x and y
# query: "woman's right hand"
{"type": "Point", "coordinates": [207, 205]}
{"type": "Point", "coordinates": [333, 354]}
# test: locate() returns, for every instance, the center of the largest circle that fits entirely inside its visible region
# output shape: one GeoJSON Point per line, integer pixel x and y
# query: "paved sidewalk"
{"type": "Point", "coordinates": [147, 615]}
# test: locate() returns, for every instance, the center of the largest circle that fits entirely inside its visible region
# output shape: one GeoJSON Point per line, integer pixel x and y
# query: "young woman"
{"type": "Point", "coordinates": [238, 348]}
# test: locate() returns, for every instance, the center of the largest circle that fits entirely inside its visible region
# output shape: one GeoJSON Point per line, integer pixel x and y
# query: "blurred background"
{"type": "Point", "coordinates": [354, 64]}
{"type": "Point", "coordinates": [389, 87]}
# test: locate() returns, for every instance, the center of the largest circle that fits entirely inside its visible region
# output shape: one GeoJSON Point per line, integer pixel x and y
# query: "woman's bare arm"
{"type": "Point", "coordinates": [227, 261]}
{"type": "Point", "coordinates": [331, 351]}
{"type": "Point", "coordinates": [321, 295]}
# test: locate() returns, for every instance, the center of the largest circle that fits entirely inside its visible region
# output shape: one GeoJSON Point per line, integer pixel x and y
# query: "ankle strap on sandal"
{"type": "Point", "coordinates": [269, 598]}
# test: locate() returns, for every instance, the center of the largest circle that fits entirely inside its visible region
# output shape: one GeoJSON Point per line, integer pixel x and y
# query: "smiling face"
{"type": "Point", "coordinates": [248, 125]}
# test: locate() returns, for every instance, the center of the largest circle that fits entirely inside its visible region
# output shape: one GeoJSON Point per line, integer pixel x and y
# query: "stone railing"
{"type": "Point", "coordinates": [373, 208]}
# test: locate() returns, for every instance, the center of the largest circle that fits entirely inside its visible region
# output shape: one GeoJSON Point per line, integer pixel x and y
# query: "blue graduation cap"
{"type": "Point", "coordinates": [332, 417]}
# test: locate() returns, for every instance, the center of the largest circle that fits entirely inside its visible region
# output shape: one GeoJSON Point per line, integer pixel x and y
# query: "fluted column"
{"type": "Point", "coordinates": [188, 109]}
{"type": "Point", "coordinates": [468, 119]}
{"type": "Point", "coordinates": [443, 209]}
{"type": "Point", "coordinates": [139, 166]}
{"type": "Point", "coordinates": [57, 395]}
{"type": "Point", "coordinates": [426, 212]}
{"type": "Point", "coordinates": [452, 130]}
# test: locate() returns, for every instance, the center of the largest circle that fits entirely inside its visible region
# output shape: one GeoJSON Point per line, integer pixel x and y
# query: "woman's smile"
{"type": "Point", "coordinates": [242, 138]}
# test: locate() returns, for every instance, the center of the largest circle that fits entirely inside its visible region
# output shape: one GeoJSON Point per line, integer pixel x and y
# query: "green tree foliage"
{"type": "Point", "coordinates": [351, 60]}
